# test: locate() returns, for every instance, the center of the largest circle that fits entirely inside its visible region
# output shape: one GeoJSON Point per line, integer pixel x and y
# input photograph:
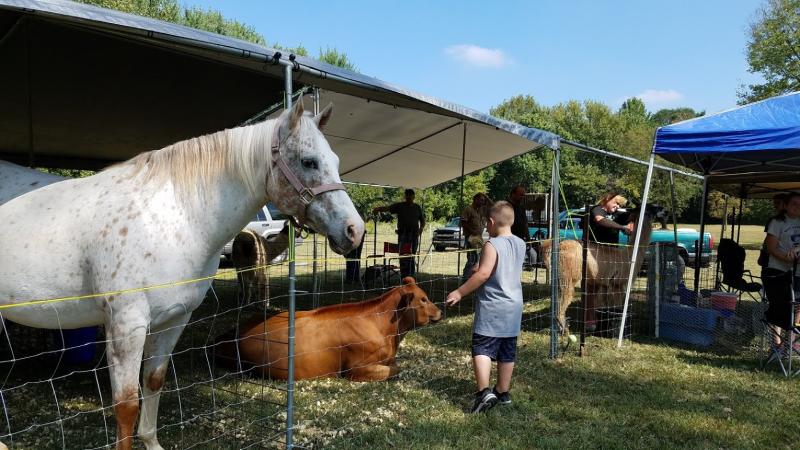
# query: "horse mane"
{"type": "Point", "coordinates": [196, 162]}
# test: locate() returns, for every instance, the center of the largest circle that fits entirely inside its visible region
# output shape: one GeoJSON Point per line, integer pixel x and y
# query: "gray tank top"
{"type": "Point", "coordinates": [498, 312]}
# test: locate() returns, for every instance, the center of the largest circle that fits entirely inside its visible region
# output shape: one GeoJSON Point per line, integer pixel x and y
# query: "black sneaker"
{"type": "Point", "coordinates": [484, 401]}
{"type": "Point", "coordinates": [502, 398]}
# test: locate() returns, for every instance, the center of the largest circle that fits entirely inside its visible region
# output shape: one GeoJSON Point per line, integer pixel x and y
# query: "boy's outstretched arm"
{"type": "Point", "coordinates": [485, 268]}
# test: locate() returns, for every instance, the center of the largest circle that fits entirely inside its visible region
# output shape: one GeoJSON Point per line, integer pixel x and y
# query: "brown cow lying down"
{"type": "Point", "coordinates": [357, 341]}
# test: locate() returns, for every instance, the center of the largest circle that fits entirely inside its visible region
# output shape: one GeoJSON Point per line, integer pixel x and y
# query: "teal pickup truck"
{"type": "Point", "coordinates": [570, 227]}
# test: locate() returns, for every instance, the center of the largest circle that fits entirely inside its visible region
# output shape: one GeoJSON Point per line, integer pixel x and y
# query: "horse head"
{"type": "Point", "coordinates": [304, 179]}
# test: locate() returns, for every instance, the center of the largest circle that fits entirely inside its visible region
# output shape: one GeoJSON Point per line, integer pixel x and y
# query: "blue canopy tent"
{"type": "Point", "coordinates": [752, 151]}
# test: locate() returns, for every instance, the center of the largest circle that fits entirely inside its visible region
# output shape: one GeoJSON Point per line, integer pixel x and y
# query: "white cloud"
{"type": "Point", "coordinates": [657, 97]}
{"type": "Point", "coordinates": [478, 56]}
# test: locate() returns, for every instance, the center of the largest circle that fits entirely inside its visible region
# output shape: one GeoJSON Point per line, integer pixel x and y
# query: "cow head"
{"type": "Point", "coordinates": [414, 308]}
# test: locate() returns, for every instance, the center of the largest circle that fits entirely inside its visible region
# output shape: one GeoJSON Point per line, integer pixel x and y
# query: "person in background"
{"type": "Point", "coordinates": [520, 227]}
{"type": "Point", "coordinates": [473, 221]}
{"type": "Point", "coordinates": [410, 223]}
{"type": "Point", "coordinates": [779, 277]}
{"type": "Point", "coordinates": [498, 310]}
{"type": "Point", "coordinates": [778, 203]}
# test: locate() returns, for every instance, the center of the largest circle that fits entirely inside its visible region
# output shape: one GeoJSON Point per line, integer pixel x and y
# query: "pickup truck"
{"type": "Point", "coordinates": [267, 222]}
{"type": "Point", "coordinates": [571, 227]}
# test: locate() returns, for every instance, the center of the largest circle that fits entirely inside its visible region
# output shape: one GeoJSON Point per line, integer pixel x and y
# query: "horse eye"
{"type": "Point", "coordinates": [309, 163]}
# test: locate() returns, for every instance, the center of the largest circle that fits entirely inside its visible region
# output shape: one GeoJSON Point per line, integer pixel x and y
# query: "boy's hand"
{"type": "Point", "coordinates": [452, 298]}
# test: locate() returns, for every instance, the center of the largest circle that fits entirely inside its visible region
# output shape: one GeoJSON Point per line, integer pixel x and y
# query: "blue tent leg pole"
{"type": "Point", "coordinates": [698, 252]}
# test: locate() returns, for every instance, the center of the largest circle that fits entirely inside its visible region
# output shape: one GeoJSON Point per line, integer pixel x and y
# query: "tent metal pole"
{"type": "Point", "coordinates": [292, 298]}
{"type": "Point", "coordinates": [635, 253]}
{"type": "Point", "coordinates": [698, 252]}
{"type": "Point", "coordinates": [315, 275]}
{"type": "Point", "coordinates": [554, 236]}
{"type": "Point", "coordinates": [589, 149]}
{"type": "Point", "coordinates": [739, 219]}
{"type": "Point", "coordinates": [402, 147]}
{"type": "Point", "coordinates": [672, 207]}
{"type": "Point", "coordinates": [461, 199]}
{"type": "Point", "coordinates": [717, 280]}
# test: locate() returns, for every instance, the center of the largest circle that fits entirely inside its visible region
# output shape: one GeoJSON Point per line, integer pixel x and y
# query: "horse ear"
{"type": "Point", "coordinates": [322, 118]}
{"type": "Point", "coordinates": [297, 113]}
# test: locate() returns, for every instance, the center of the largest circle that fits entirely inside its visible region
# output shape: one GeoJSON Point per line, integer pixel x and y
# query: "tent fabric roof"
{"type": "Point", "coordinates": [752, 150]}
{"type": "Point", "coordinates": [84, 87]}
{"type": "Point", "coordinates": [758, 137]}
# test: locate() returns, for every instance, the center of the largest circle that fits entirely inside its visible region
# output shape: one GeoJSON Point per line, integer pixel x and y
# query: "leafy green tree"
{"type": "Point", "coordinates": [634, 111]}
{"type": "Point", "coordinates": [336, 58]}
{"type": "Point", "coordinates": [669, 116]}
{"type": "Point", "coordinates": [585, 176]}
{"type": "Point", "coordinates": [773, 50]}
{"type": "Point", "coordinates": [211, 20]}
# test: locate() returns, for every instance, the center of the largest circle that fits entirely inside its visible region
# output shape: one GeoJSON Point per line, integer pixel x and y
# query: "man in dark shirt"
{"type": "Point", "coordinates": [520, 226]}
{"type": "Point", "coordinates": [410, 223]}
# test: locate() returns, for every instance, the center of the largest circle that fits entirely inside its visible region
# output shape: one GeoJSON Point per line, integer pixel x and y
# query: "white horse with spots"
{"type": "Point", "coordinates": [161, 217]}
{"type": "Point", "coordinates": [17, 180]}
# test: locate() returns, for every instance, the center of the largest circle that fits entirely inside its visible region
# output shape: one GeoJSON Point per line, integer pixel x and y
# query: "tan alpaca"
{"type": "Point", "coordinates": [605, 282]}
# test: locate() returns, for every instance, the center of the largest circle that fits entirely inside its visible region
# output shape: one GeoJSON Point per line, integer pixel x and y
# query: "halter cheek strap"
{"type": "Point", "coordinates": [306, 194]}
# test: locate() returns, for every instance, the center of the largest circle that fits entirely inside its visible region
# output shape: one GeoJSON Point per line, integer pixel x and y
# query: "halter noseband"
{"type": "Point", "coordinates": [307, 194]}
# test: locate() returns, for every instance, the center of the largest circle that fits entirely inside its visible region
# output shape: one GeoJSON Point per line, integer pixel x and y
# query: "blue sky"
{"type": "Point", "coordinates": [479, 53]}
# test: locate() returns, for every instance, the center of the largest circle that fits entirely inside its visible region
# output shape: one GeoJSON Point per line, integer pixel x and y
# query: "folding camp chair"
{"type": "Point", "coordinates": [779, 323]}
{"type": "Point", "coordinates": [388, 270]}
{"type": "Point", "coordinates": [731, 257]}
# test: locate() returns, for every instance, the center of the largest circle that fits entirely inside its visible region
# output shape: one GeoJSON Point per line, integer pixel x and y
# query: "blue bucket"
{"type": "Point", "coordinates": [80, 345]}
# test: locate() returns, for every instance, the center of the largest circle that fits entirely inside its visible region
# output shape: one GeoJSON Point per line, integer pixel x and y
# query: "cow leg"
{"type": "Point", "coordinates": [373, 372]}
{"type": "Point", "coordinates": [125, 333]}
{"type": "Point", "coordinates": [157, 351]}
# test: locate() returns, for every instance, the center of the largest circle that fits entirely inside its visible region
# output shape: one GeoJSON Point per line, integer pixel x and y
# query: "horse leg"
{"type": "Point", "coordinates": [126, 336]}
{"type": "Point", "coordinates": [157, 352]}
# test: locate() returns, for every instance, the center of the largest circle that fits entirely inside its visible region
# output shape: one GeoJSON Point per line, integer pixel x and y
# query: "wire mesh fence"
{"type": "Point", "coordinates": [53, 398]}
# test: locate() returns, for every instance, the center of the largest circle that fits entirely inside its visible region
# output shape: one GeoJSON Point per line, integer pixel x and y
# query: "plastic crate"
{"type": "Point", "coordinates": [687, 324]}
{"type": "Point", "coordinates": [693, 336]}
{"type": "Point", "coordinates": [688, 316]}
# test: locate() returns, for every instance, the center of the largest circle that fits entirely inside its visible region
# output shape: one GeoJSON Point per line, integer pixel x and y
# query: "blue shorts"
{"type": "Point", "coordinates": [500, 349]}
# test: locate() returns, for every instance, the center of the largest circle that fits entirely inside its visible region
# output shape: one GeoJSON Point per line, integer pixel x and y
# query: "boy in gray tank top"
{"type": "Point", "coordinates": [498, 311]}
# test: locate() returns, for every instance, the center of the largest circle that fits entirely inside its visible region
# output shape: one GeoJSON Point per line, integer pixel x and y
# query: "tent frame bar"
{"type": "Point", "coordinates": [424, 138]}
{"type": "Point", "coordinates": [628, 158]}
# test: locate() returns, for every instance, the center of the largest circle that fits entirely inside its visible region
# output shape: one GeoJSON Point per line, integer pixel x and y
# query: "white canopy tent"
{"type": "Point", "coordinates": [127, 84]}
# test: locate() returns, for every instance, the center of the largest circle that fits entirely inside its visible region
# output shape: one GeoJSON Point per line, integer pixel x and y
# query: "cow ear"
{"type": "Point", "coordinates": [409, 281]}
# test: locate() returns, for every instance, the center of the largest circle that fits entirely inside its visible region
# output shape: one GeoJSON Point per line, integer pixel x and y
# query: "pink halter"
{"type": "Point", "coordinates": [306, 194]}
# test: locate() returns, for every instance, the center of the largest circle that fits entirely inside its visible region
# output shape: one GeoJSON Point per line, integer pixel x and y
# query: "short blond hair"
{"type": "Point", "coordinates": [621, 201]}
{"type": "Point", "coordinates": [503, 213]}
